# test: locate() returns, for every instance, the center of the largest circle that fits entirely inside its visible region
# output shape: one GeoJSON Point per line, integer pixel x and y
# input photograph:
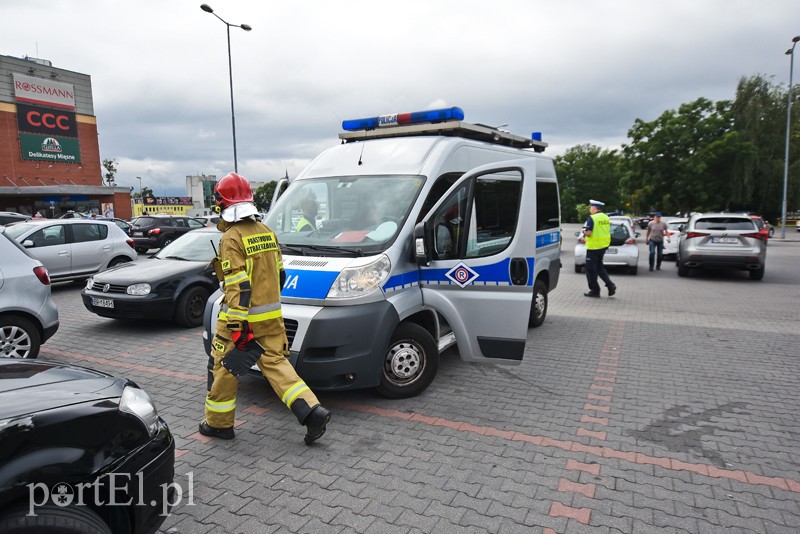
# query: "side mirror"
{"type": "Point", "coordinates": [422, 243]}
{"type": "Point", "coordinates": [681, 228]}
{"type": "Point", "coordinates": [577, 234]}
{"type": "Point", "coordinates": [637, 234]}
{"type": "Point", "coordinates": [28, 244]}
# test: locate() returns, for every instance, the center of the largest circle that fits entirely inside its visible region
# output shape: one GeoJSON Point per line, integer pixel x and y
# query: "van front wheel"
{"type": "Point", "coordinates": [539, 306]}
{"type": "Point", "coordinates": [411, 362]}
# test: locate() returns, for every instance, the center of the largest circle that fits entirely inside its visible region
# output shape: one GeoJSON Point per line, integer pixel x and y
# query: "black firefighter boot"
{"type": "Point", "coordinates": [316, 423]}
{"type": "Point", "coordinates": [214, 432]}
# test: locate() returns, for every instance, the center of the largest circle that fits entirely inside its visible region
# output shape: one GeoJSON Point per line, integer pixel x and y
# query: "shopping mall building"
{"type": "Point", "coordinates": [49, 152]}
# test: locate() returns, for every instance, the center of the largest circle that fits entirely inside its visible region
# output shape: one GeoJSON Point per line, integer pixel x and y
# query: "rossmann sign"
{"type": "Point", "coordinates": [43, 92]}
{"type": "Point", "coordinates": [46, 121]}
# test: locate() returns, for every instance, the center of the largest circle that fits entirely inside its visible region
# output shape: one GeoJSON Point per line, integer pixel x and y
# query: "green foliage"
{"type": "Point", "coordinates": [263, 195]}
{"type": "Point", "coordinates": [147, 192]}
{"type": "Point", "coordinates": [583, 211]}
{"type": "Point", "coordinates": [587, 171]}
{"type": "Point", "coordinates": [110, 165]}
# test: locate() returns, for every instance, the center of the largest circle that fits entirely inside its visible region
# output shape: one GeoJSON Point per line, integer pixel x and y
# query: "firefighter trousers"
{"type": "Point", "coordinates": [226, 363]}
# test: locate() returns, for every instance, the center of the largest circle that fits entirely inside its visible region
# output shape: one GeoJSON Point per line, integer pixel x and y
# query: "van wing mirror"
{"type": "Point", "coordinates": [422, 243]}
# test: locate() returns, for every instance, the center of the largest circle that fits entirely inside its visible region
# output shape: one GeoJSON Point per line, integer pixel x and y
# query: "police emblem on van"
{"type": "Point", "coordinates": [462, 275]}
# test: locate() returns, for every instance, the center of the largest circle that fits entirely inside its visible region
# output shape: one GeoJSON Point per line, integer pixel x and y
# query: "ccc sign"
{"type": "Point", "coordinates": [36, 119]}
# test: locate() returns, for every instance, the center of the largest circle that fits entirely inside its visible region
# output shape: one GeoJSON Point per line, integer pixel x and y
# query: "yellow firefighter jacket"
{"type": "Point", "coordinates": [250, 263]}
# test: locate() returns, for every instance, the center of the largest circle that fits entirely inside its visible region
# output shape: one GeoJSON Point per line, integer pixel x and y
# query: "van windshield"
{"type": "Point", "coordinates": [344, 215]}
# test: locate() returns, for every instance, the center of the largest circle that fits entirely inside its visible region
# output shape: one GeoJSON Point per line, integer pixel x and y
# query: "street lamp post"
{"type": "Point", "coordinates": [789, 53]}
{"type": "Point", "coordinates": [245, 27]}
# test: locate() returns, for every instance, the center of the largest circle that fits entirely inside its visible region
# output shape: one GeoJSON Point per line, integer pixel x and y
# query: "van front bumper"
{"type": "Point", "coordinates": [343, 347]}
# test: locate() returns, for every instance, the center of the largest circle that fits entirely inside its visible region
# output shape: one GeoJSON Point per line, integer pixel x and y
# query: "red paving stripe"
{"type": "Point", "coordinates": [580, 515]}
{"type": "Point", "coordinates": [575, 465]}
{"type": "Point", "coordinates": [583, 433]}
{"type": "Point", "coordinates": [604, 409]}
{"type": "Point", "coordinates": [587, 490]}
{"type": "Point", "coordinates": [549, 531]}
{"type": "Point", "coordinates": [596, 420]}
{"type": "Point", "coordinates": [511, 435]}
{"type": "Point", "coordinates": [125, 365]}
{"type": "Point", "coordinates": [604, 379]}
{"type": "Point", "coordinates": [609, 389]}
{"type": "Point", "coordinates": [604, 398]}
{"type": "Point", "coordinates": [255, 410]}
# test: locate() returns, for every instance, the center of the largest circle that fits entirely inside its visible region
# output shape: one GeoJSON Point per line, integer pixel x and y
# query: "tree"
{"type": "Point", "coordinates": [588, 171]}
{"type": "Point", "coordinates": [147, 192]}
{"type": "Point", "coordinates": [110, 165]}
{"type": "Point", "coordinates": [263, 195]}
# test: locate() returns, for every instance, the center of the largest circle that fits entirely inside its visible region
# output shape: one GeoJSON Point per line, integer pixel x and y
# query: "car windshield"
{"type": "Point", "coordinates": [724, 223]}
{"type": "Point", "coordinates": [346, 215]}
{"type": "Point", "coordinates": [17, 229]}
{"type": "Point", "coordinates": [675, 225]}
{"type": "Point", "coordinates": [192, 246]}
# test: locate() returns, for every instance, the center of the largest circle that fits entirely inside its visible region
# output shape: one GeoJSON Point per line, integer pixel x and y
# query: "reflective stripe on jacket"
{"type": "Point", "coordinates": [601, 233]}
{"type": "Point", "coordinates": [251, 261]}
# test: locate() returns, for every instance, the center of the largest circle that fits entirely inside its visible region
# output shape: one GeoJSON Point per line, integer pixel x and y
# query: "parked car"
{"type": "Point", "coordinates": [73, 249]}
{"type": "Point", "coordinates": [158, 232]}
{"type": "Point", "coordinates": [209, 221]}
{"type": "Point", "coordinates": [763, 226]}
{"type": "Point", "coordinates": [714, 240]}
{"type": "Point", "coordinates": [674, 232]}
{"type": "Point", "coordinates": [77, 435]}
{"type": "Point", "coordinates": [624, 218]}
{"type": "Point", "coordinates": [125, 226]}
{"type": "Point", "coordinates": [9, 217]}
{"type": "Point", "coordinates": [28, 315]}
{"type": "Point", "coordinates": [623, 251]}
{"type": "Point", "coordinates": [174, 284]}
{"type": "Point", "coordinates": [74, 215]}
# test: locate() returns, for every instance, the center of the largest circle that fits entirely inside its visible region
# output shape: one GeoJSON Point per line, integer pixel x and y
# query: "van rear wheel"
{"type": "Point", "coordinates": [410, 364]}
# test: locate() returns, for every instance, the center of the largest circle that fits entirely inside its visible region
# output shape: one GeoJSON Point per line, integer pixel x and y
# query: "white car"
{"type": "Point", "coordinates": [623, 251]}
{"type": "Point", "coordinates": [73, 249]}
{"type": "Point", "coordinates": [671, 246]}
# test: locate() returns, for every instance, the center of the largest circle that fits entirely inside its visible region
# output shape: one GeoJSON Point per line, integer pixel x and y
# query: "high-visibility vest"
{"type": "Point", "coordinates": [601, 232]}
{"type": "Point", "coordinates": [302, 223]}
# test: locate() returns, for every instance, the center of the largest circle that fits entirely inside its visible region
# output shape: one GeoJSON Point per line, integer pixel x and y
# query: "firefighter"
{"type": "Point", "coordinates": [250, 327]}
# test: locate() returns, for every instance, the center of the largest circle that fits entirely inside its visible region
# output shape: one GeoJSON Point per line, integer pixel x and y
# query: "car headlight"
{"type": "Point", "coordinates": [136, 402]}
{"type": "Point", "coordinates": [358, 281]}
{"type": "Point", "coordinates": [89, 283]}
{"type": "Point", "coordinates": [138, 289]}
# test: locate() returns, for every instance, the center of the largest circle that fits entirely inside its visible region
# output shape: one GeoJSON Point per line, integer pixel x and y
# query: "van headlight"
{"type": "Point", "coordinates": [137, 402]}
{"type": "Point", "coordinates": [89, 282]}
{"type": "Point", "coordinates": [358, 281]}
{"type": "Point", "coordinates": [138, 289]}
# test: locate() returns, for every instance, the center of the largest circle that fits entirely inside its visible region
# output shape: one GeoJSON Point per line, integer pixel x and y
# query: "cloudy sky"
{"type": "Point", "coordinates": [578, 71]}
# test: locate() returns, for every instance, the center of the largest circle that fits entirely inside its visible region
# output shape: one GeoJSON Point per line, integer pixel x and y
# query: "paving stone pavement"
{"type": "Point", "coordinates": [672, 407]}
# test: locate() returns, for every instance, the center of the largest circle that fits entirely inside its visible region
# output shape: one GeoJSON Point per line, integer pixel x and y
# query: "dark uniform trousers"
{"type": "Point", "coordinates": [595, 268]}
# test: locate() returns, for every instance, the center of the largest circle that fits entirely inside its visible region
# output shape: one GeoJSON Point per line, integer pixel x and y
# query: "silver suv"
{"type": "Point", "coordinates": [28, 315]}
{"type": "Point", "coordinates": [722, 240]}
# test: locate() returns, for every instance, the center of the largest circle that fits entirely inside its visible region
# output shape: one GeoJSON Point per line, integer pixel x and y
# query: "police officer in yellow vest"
{"type": "Point", "coordinates": [308, 221]}
{"type": "Point", "coordinates": [598, 238]}
{"type": "Point", "coordinates": [250, 327]}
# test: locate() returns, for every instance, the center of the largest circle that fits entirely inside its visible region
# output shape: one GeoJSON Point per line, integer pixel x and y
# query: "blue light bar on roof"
{"type": "Point", "coordinates": [403, 119]}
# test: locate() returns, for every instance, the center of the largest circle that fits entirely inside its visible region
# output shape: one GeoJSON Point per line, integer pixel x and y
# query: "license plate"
{"type": "Point", "coordinates": [611, 251]}
{"type": "Point", "coordinates": [138, 233]}
{"type": "Point", "coordinates": [102, 303]}
{"type": "Point", "coordinates": [725, 240]}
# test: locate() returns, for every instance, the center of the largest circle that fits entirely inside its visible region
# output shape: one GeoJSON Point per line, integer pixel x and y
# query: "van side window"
{"type": "Point", "coordinates": [547, 206]}
{"type": "Point", "coordinates": [482, 227]}
{"type": "Point", "coordinates": [440, 187]}
{"type": "Point", "coordinates": [494, 215]}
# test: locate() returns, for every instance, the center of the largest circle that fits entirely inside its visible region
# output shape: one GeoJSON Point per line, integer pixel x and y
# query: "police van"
{"type": "Point", "coordinates": [418, 232]}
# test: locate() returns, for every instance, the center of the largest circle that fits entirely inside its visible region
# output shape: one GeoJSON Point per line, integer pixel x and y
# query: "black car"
{"type": "Point", "coordinates": [8, 217]}
{"type": "Point", "coordinates": [158, 232]}
{"type": "Point", "coordinates": [174, 284]}
{"type": "Point", "coordinates": [125, 226]}
{"type": "Point", "coordinates": [80, 451]}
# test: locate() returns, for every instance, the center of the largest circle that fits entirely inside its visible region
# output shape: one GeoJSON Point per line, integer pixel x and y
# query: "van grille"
{"type": "Point", "coordinates": [291, 329]}
{"type": "Point", "coordinates": [307, 263]}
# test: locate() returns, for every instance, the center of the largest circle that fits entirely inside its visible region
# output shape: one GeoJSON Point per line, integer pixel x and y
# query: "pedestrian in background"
{"type": "Point", "coordinates": [657, 231]}
{"type": "Point", "coordinates": [598, 237]}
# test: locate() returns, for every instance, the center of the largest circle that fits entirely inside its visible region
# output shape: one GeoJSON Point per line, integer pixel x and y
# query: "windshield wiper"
{"type": "Point", "coordinates": [175, 258]}
{"type": "Point", "coordinates": [302, 248]}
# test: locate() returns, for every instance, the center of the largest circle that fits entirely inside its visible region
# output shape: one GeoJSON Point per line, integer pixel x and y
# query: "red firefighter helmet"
{"type": "Point", "coordinates": [232, 189]}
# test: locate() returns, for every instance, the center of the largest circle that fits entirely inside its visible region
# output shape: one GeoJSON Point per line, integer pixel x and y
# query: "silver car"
{"type": "Point", "coordinates": [714, 240]}
{"type": "Point", "coordinates": [73, 249]}
{"type": "Point", "coordinates": [28, 315]}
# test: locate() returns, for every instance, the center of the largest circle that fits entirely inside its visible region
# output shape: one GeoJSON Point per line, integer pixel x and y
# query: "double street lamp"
{"type": "Point", "coordinates": [789, 53]}
{"type": "Point", "coordinates": [247, 28]}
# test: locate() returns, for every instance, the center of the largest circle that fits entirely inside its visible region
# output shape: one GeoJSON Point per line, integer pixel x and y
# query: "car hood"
{"type": "Point", "coordinates": [150, 270]}
{"type": "Point", "coordinates": [30, 386]}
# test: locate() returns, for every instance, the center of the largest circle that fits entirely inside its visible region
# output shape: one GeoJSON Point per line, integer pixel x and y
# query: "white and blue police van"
{"type": "Point", "coordinates": [425, 232]}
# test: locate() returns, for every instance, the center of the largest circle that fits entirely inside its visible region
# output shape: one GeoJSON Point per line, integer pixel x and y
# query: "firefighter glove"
{"type": "Point", "coordinates": [242, 334]}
